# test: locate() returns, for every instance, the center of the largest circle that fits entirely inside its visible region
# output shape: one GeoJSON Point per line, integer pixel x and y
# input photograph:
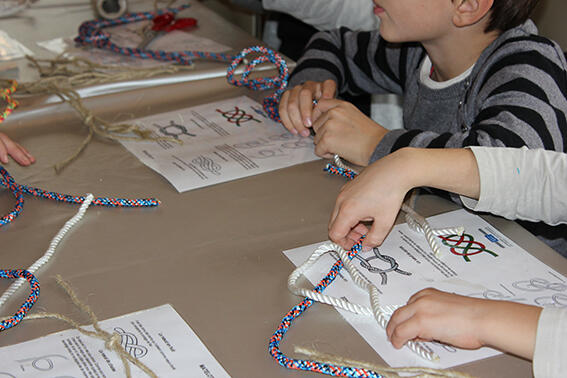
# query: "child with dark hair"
{"type": "Point", "coordinates": [472, 72]}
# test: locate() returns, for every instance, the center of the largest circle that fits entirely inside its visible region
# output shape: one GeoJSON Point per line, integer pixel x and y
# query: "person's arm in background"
{"type": "Point", "coordinates": [10, 148]}
{"type": "Point", "coordinates": [328, 14]}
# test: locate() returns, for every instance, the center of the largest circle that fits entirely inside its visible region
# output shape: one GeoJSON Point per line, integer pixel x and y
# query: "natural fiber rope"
{"type": "Point", "coordinates": [385, 371]}
{"type": "Point", "coordinates": [111, 340]}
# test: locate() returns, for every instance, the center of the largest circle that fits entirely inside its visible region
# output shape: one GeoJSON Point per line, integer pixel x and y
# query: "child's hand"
{"type": "Point", "coordinates": [296, 104]}
{"type": "Point", "coordinates": [374, 195]}
{"type": "Point", "coordinates": [435, 315]}
{"type": "Point", "coordinates": [13, 149]}
{"type": "Point", "coordinates": [464, 322]}
{"type": "Point", "coordinates": [340, 128]}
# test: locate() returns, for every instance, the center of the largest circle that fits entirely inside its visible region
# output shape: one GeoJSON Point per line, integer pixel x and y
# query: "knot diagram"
{"type": "Point", "coordinates": [174, 130]}
{"type": "Point", "coordinates": [465, 246]}
{"type": "Point", "coordinates": [237, 116]}
{"type": "Point", "coordinates": [366, 263]}
{"type": "Point", "coordinates": [130, 343]}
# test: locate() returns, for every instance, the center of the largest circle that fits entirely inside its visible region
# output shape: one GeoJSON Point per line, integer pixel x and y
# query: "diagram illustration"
{"type": "Point", "coordinates": [130, 343]}
{"type": "Point", "coordinates": [366, 263]}
{"type": "Point", "coordinates": [237, 116]}
{"type": "Point", "coordinates": [174, 130]}
{"type": "Point", "coordinates": [259, 111]}
{"type": "Point", "coordinates": [465, 246]}
{"type": "Point", "coordinates": [207, 164]}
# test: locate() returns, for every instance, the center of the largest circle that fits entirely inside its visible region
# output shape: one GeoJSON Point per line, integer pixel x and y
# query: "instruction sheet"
{"type": "Point", "coordinates": [158, 337]}
{"type": "Point", "coordinates": [218, 142]}
{"type": "Point", "coordinates": [482, 263]}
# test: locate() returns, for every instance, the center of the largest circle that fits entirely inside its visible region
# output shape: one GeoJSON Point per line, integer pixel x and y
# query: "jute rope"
{"type": "Point", "coordinates": [60, 75]}
{"type": "Point", "coordinates": [385, 371]}
{"type": "Point", "coordinates": [111, 340]}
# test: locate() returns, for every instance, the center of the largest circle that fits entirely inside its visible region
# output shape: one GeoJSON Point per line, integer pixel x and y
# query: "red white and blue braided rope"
{"type": "Point", "coordinates": [18, 191]}
{"type": "Point", "coordinates": [91, 33]}
{"type": "Point", "coordinates": [27, 305]}
{"type": "Point", "coordinates": [278, 82]}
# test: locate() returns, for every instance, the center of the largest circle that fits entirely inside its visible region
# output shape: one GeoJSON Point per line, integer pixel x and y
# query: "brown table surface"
{"type": "Point", "coordinates": [214, 254]}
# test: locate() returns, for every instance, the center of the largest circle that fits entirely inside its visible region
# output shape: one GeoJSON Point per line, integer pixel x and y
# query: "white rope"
{"type": "Point", "coordinates": [50, 251]}
{"type": "Point", "coordinates": [376, 311]}
{"type": "Point", "coordinates": [417, 223]}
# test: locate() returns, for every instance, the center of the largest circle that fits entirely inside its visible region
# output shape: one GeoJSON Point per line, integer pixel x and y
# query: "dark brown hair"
{"type": "Point", "coordinates": [506, 14]}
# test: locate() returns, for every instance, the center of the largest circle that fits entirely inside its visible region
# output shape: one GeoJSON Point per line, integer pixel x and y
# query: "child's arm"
{"type": "Point", "coordinates": [464, 322]}
{"type": "Point", "coordinates": [377, 193]}
{"type": "Point", "coordinates": [10, 148]}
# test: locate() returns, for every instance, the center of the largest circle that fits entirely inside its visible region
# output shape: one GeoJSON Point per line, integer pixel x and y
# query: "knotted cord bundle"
{"type": "Point", "coordinates": [278, 82]}
{"type": "Point", "coordinates": [91, 33]}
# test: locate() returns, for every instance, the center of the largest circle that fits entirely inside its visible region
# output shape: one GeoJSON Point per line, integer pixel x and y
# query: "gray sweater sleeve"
{"type": "Point", "coordinates": [518, 183]}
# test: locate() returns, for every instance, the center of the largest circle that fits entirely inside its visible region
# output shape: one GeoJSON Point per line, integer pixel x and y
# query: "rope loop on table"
{"type": "Point", "coordinates": [278, 82]}
{"type": "Point", "coordinates": [27, 305]}
{"type": "Point", "coordinates": [18, 190]}
{"type": "Point", "coordinates": [91, 33]}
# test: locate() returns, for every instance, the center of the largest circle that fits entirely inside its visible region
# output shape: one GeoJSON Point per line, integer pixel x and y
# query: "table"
{"type": "Point", "coordinates": [51, 19]}
{"type": "Point", "coordinates": [213, 253]}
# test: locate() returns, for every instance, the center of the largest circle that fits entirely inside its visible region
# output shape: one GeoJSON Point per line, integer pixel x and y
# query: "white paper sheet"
{"type": "Point", "coordinates": [222, 141]}
{"type": "Point", "coordinates": [11, 49]}
{"type": "Point", "coordinates": [497, 268]}
{"type": "Point", "coordinates": [158, 337]}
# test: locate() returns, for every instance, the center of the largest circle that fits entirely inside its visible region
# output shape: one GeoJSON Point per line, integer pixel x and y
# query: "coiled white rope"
{"type": "Point", "coordinates": [417, 223]}
{"type": "Point", "coordinates": [376, 311]}
{"type": "Point", "coordinates": [50, 251]}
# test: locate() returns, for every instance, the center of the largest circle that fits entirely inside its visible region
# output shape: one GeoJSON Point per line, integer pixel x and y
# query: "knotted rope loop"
{"type": "Point", "coordinates": [91, 34]}
{"type": "Point", "coordinates": [27, 305]}
{"type": "Point", "coordinates": [278, 82]}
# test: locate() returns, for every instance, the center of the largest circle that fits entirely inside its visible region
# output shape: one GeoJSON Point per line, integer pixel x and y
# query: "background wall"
{"type": "Point", "coordinates": [550, 19]}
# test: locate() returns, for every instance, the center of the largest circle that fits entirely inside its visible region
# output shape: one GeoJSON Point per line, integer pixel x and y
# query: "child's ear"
{"type": "Point", "coordinates": [469, 12]}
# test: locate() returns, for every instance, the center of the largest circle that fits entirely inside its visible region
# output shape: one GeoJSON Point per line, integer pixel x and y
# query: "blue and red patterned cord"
{"type": "Point", "coordinates": [18, 191]}
{"type": "Point", "coordinates": [278, 82]}
{"type": "Point", "coordinates": [32, 298]}
{"type": "Point", "coordinates": [91, 33]}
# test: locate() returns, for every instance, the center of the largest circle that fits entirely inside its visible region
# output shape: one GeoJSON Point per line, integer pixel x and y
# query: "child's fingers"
{"type": "Point", "coordinates": [402, 326]}
{"type": "Point", "coordinates": [294, 111]}
{"type": "Point", "coordinates": [306, 107]}
{"type": "Point", "coordinates": [284, 115]}
{"type": "Point", "coordinates": [3, 153]}
{"type": "Point", "coordinates": [329, 89]}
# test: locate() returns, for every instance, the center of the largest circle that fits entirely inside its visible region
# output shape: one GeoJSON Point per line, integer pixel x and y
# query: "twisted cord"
{"type": "Point", "coordinates": [50, 251]}
{"type": "Point", "coordinates": [111, 340]}
{"type": "Point", "coordinates": [278, 82]}
{"type": "Point", "coordinates": [18, 190]}
{"type": "Point", "coordinates": [11, 104]}
{"type": "Point", "coordinates": [361, 281]}
{"type": "Point", "coordinates": [91, 34]}
{"type": "Point", "coordinates": [27, 305]}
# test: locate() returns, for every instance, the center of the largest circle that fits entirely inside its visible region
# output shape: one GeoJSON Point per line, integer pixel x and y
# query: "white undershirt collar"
{"type": "Point", "coordinates": [425, 76]}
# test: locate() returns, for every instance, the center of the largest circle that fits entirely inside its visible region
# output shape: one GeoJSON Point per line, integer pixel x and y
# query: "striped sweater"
{"type": "Point", "coordinates": [514, 96]}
